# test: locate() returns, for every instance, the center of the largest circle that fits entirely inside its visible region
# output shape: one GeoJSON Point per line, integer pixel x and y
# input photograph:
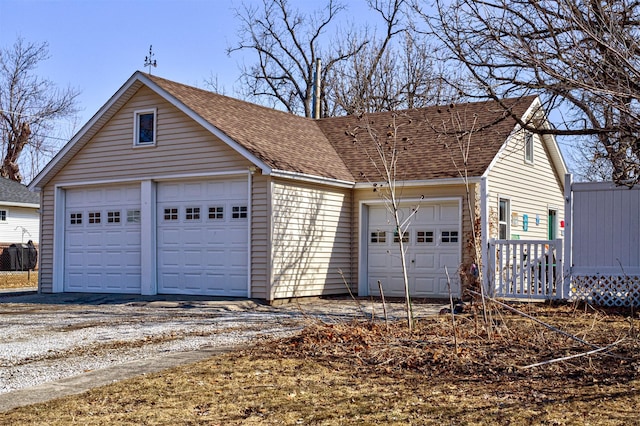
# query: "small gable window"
{"type": "Point", "coordinates": [144, 128]}
{"type": "Point", "coordinates": [3, 215]}
{"type": "Point", "coordinates": [528, 147]}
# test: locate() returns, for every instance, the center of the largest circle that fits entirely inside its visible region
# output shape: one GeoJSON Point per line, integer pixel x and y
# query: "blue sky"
{"type": "Point", "coordinates": [95, 45]}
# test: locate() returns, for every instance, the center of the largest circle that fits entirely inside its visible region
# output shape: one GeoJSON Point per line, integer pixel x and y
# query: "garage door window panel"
{"type": "Point", "coordinates": [192, 213]}
{"type": "Point", "coordinates": [449, 237]}
{"type": "Point", "coordinates": [425, 237]}
{"type": "Point", "coordinates": [171, 214]}
{"type": "Point", "coordinates": [94, 217]}
{"type": "Point", "coordinates": [378, 237]}
{"type": "Point", "coordinates": [216, 213]}
{"type": "Point", "coordinates": [239, 212]}
{"type": "Point", "coordinates": [133, 216]}
{"type": "Point", "coordinates": [75, 218]}
{"type": "Point", "coordinates": [396, 237]}
{"type": "Point", "coordinates": [113, 217]}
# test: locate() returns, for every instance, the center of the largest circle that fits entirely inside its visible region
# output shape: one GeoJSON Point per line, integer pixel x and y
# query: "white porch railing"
{"type": "Point", "coordinates": [526, 269]}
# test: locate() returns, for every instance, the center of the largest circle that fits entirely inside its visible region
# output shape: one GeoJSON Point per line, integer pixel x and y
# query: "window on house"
{"type": "Point", "coordinates": [75, 218]}
{"type": "Point", "coordinates": [424, 237]}
{"type": "Point", "coordinates": [133, 216]}
{"type": "Point", "coordinates": [216, 212]}
{"type": "Point", "coordinates": [192, 213]}
{"type": "Point", "coordinates": [503, 219]}
{"type": "Point", "coordinates": [449, 237]}
{"type": "Point", "coordinates": [528, 147]}
{"type": "Point", "coordinates": [145, 128]}
{"type": "Point", "coordinates": [94, 217]}
{"type": "Point", "coordinates": [113, 217]}
{"type": "Point", "coordinates": [239, 212]}
{"type": "Point", "coordinates": [378, 237]}
{"type": "Point", "coordinates": [396, 237]}
{"type": "Point", "coordinates": [3, 215]}
{"type": "Point", "coordinates": [171, 213]}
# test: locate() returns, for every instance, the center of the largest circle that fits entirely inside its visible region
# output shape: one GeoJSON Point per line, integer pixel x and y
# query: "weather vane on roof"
{"type": "Point", "coordinates": [149, 61]}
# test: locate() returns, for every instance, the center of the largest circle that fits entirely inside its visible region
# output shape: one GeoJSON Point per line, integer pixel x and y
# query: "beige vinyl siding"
{"type": "Point", "coordinates": [182, 147]}
{"type": "Point", "coordinates": [45, 253]}
{"type": "Point", "coordinates": [414, 192]}
{"type": "Point", "coordinates": [531, 188]}
{"type": "Point", "coordinates": [260, 236]}
{"type": "Point", "coordinates": [311, 239]}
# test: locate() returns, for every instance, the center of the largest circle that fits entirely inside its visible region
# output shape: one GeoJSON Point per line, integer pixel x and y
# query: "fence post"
{"type": "Point", "coordinates": [489, 281]}
{"type": "Point", "coordinates": [568, 235]}
{"type": "Point", "coordinates": [559, 280]}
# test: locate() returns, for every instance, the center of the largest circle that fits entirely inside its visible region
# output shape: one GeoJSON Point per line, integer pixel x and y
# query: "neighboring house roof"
{"type": "Point", "coordinates": [13, 193]}
{"type": "Point", "coordinates": [285, 144]}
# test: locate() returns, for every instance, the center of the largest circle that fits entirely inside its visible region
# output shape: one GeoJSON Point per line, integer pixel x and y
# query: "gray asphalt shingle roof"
{"type": "Point", "coordinates": [14, 192]}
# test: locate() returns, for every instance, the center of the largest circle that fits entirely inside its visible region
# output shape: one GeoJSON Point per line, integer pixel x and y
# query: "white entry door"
{"type": "Point", "coordinates": [102, 239]}
{"type": "Point", "coordinates": [203, 237]}
{"type": "Point", "coordinates": [432, 242]}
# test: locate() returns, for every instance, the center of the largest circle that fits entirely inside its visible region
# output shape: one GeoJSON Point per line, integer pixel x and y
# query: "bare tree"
{"type": "Point", "coordinates": [404, 77]}
{"type": "Point", "coordinates": [288, 42]}
{"type": "Point", "coordinates": [383, 148]}
{"type": "Point", "coordinates": [581, 57]}
{"type": "Point", "coordinates": [28, 105]}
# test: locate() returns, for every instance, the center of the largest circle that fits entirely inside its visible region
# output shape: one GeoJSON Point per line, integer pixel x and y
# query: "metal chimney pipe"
{"type": "Point", "coordinates": [316, 93]}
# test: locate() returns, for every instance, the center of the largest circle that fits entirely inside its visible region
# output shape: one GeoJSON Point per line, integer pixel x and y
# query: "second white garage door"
{"type": "Point", "coordinates": [433, 241]}
{"type": "Point", "coordinates": [203, 237]}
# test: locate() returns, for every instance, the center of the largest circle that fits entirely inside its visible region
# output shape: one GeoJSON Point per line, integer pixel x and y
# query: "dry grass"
{"type": "Point", "coordinates": [11, 280]}
{"type": "Point", "coordinates": [362, 373]}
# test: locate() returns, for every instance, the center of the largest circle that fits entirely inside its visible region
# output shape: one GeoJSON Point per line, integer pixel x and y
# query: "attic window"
{"type": "Point", "coordinates": [144, 127]}
{"type": "Point", "coordinates": [528, 147]}
{"type": "Point", "coordinates": [3, 215]}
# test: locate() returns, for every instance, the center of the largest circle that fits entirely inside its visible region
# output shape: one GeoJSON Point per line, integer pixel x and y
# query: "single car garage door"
{"type": "Point", "coordinates": [203, 237]}
{"type": "Point", "coordinates": [433, 241]}
{"type": "Point", "coordinates": [102, 239]}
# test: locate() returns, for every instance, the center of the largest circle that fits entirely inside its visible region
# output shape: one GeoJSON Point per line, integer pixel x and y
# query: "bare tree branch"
{"type": "Point", "coordinates": [28, 104]}
{"type": "Point", "coordinates": [582, 57]}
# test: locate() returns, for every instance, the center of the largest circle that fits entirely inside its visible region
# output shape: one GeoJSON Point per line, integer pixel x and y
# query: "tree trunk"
{"type": "Point", "coordinates": [10, 168]}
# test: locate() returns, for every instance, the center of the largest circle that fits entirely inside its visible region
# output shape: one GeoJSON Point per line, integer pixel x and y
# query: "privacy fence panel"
{"type": "Point", "coordinates": [604, 243]}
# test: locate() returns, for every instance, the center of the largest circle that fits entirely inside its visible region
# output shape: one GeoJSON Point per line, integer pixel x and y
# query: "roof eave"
{"type": "Point", "coordinates": [425, 182]}
{"type": "Point", "coordinates": [18, 204]}
{"type": "Point", "coordinates": [304, 177]}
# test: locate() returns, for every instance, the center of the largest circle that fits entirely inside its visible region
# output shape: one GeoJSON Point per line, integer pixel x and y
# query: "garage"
{"type": "Point", "coordinates": [203, 237]}
{"type": "Point", "coordinates": [102, 239]}
{"type": "Point", "coordinates": [433, 241]}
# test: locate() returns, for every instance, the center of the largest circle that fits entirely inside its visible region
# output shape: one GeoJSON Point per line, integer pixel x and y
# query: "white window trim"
{"type": "Point", "coordinates": [136, 127]}
{"type": "Point", "coordinates": [6, 213]}
{"type": "Point", "coordinates": [508, 213]}
{"type": "Point", "coordinates": [529, 148]}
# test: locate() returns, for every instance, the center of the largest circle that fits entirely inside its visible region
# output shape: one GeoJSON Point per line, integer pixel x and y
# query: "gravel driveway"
{"type": "Point", "coordinates": [51, 337]}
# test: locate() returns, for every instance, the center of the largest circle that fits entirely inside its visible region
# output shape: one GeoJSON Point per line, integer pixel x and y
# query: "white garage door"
{"type": "Point", "coordinates": [102, 240]}
{"type": "Point", "coordinates": [203, 237]}
{"type": "Point", "coordinates": [433, 241]}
